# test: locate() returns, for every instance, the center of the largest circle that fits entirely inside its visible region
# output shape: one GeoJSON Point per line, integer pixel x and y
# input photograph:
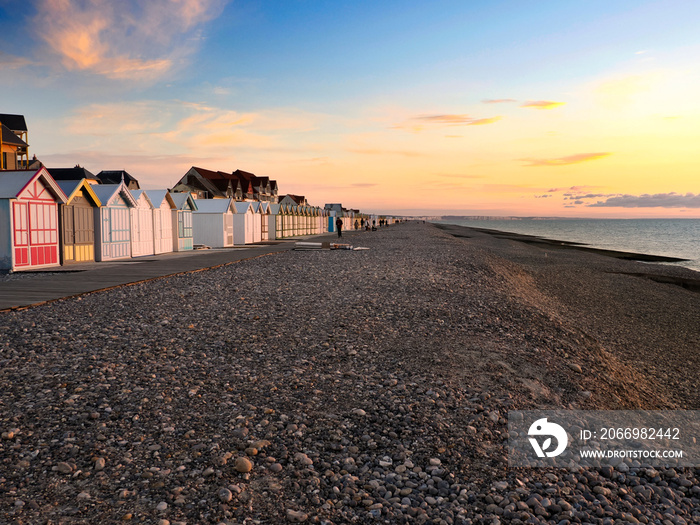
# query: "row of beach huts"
{"type": "Point", "coordinates": [46, 222]}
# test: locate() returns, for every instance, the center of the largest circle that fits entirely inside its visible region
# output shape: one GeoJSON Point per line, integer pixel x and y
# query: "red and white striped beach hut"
{"type": "Point", "coordinates": [29, 236]}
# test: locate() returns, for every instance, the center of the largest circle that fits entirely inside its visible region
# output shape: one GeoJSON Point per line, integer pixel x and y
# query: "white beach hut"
{"type": "Point", "coordinates": [262, 209]}
{"type": "Point", "coordinates": [113, 222]}
{"type": "Point", "coordinates": [244, 223]}
{"type": "Point", "coordinates": [183, 239]}
{"type": "Point", "coordinates": [213, 222]}
{"type": "Point", "coordinates": [285, 222]}
{"type": "Point", "coordinates": [142, 235]}
{"type": "Point", "coordinates": [163, 207]}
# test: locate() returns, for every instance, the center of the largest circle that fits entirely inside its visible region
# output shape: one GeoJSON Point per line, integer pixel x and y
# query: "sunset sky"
{"type": "Point", "coordinates": [587, 109]}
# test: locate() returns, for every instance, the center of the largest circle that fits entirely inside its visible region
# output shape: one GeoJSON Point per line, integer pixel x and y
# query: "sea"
{"type": "Point", "coordinates": [669, 237]}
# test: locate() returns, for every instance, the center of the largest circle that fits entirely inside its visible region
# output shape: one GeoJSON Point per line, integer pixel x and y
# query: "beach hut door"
{"type": "Point", "coordinates": [19, 212]}
{"type": "Point", "coordinates": [228, 219]}
{"type": "Point", "coordinates": [68, 233]}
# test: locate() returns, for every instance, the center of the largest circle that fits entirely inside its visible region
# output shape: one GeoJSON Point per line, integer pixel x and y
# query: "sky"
{"type": "Point", "coordinates": [548, 108]}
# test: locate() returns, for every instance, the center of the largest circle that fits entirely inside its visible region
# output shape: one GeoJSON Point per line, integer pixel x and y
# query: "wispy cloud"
{"type": "Point", "coordinates": [122, 40]}
{"type": "Point", "coordinates": [565, 161]}
{"type": "Point", "coordinates": [542, 104]}
{"type": "Point", "coordinates": [419, 123]}
{"type": "Point", "coordinates": [571, 188]}
{"type": "Point", "coordinates": [183, 127]}
{"type": "Point", "coordinates": [379, 151]}
{"type": "Point", "coordinates": [657, 200]}
{"type": "Point", "coordinates": [498, 100]}
{"type": "Point", "coordinates": [12, 61]}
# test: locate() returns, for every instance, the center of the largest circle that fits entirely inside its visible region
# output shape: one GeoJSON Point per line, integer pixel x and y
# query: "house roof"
{"type": "Point", "coordinates": [13, 182]}
{"type": "Point", "coordinates": [76, 173]}
{"type": "Point", "coordinates": [213, 205]}
{"type": "Point", "coordinates": [105, 192]}
{"type": "Point", "coordinates": [115, 177]}
{"type": "Point", "coordinates": [8, 136]}
{"type": "Point", "coordinates": [72, 187]}
{"type": "Point", "coordinates": [14, 122]}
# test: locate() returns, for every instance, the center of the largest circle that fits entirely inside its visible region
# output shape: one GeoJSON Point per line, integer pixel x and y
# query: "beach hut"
{"type": "Point", "coordinates": [76, 219]}
{"type": "Point", "coordinates": [212, 222]}
{"type": "Point", "coordinates": [142, 235]}
{"type": "Point", "coordinates": [29, 235]}
{"type": "Point", "coordinates": [244, 223]}
{"type": "Point", "coordinates": [282, 224]}
{"type": "Point", "coordinates": [163, 207]}
{"type": "Point", "coordinates": [273, 221]}
{"type": "Point", "coordinates": [113, 221]}
{"type": "Point", "coordinates": [183, 235]}
{"type": "Point", "coordinates": [297, 220]}
{"type": "Point", "coordinates": [262, 210]}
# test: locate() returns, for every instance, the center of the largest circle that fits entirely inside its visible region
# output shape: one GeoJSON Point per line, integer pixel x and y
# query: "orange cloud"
{"type": "Point", "coordinates": [417, 123]}
{"type": "Point", "coordinates": [122, 40]}
{"type": "Point", "coordinates": [542, 104]}
{"type": "Point", "coordinates": [565, 161]}
{"type": "Point", "coordinates": [482, 121]}
{"type": "Point", "coordinates": [498, 100]}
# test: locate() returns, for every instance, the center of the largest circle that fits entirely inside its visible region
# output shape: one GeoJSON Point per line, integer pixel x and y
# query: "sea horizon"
{"type": "Point", "coordinates": [664, 237]}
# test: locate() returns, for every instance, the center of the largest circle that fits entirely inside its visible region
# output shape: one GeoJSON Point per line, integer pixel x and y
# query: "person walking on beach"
{"type": "Point", "coordinates": [339, 226]}
{"type": "Point", "coordinates": [357, 224]}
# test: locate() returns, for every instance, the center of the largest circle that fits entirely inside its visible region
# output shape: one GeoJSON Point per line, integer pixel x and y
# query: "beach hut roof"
{"type": "Point", "coordinates": [157, 197]}
{"type": "Point", "coordinates": [105, 192]}
{"type": "Point", "coordinates": [72, 187]}
{"type": "Point", "coordinates": [214, 206]}
{"type": "Point", "coordinates": [137, 195]}
{"type": "Point", "coordinates": [275, 209]}
{"type": "Point", "coordinates": [183, 200]}
{"type": "Point", "coordinates": [13, 183]}
{"type": "Point", "coordinates": [243, 207]}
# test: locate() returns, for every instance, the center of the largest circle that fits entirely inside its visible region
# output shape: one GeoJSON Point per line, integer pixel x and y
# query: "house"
{"type": "Point", "coordinates": [163, 207]}
{"type": "Point", "coordinates": [113, 221]}
{"type": "Point", "coordinates": [142, 235]}
{"type": "Point", "coordinates": [239, 185]}
{"type": "Point", "coordinates": [213, 222]}
{"type": "Point", "coordinates": [293, 200]}
{"type": "Point", "coordinates": [77, 173]}
{"type": "Point", "coordinates": [14, 149]}
{"type": "Point", "coordinates": [76, 219]}
{"type": "Point", "coordinates": [116, 176]}
{"type": "Point", "coordinates": [183, 235]}
{"type": "Point", "coordinates": [29, 235]}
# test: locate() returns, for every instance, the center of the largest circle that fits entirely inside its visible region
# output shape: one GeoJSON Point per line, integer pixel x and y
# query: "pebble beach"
{"type": "Point", "coordinates": [346, 387]}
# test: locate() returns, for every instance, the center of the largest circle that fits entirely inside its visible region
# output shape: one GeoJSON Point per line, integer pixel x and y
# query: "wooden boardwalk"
{"type": "Point", "coordinates": [66, 281]}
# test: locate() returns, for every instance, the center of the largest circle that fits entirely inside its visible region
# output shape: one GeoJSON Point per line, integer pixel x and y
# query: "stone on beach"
{"type": "Point", "coordinates": [343, 387]}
